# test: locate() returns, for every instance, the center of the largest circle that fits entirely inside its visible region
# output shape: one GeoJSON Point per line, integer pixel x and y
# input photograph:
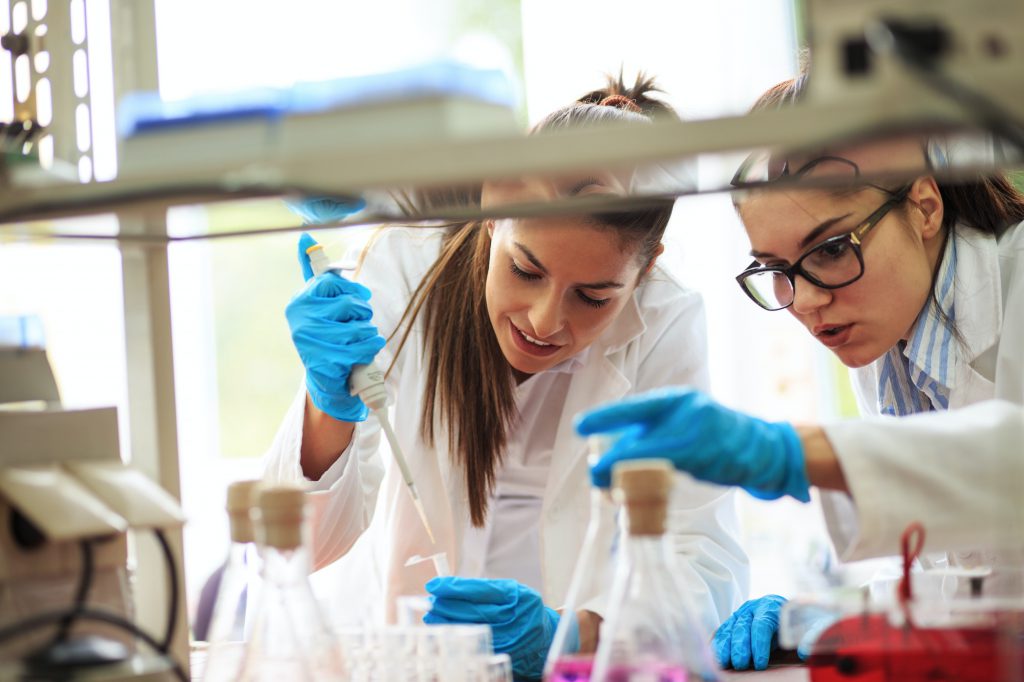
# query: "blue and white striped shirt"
{"type": "Point", "coordinates": [917, 376]}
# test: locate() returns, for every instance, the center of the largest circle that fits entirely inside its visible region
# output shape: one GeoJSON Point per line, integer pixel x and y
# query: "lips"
{"type": "Point", "coordinates": [531, 345]}
{"type": "Point", "coordinates": [832, 335]}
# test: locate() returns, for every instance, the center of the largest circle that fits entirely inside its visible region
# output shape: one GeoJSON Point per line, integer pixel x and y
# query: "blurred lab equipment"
{"type": "Point", "coordinates": [439, 559]}
{"type": "Point", "coordinates": [917, 636]}
{"type": "Point", "coordinates": [226, 635]}
{"type": "Point", "coordinates": [650, 630]}
{"type": "Point", "coordinates": [366, 381]}
{"type": "Point", "coordinates": [565, 663]}
{"type": "Point", "coordinates": [880, 67]}
{"type": "Point", "coordinates": [290, 638]}
{"type": "Point", "coordinates": [704, 438]}
{"type": "Point", "coordinates": [67, 502]}
{"type": "Point", "coordinates": [423, 653]}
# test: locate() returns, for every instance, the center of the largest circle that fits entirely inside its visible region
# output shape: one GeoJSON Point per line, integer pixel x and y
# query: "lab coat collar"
{"type": "Point", "coordinates": [573, 364]}
{"type": "Point", "coordinates": [627, 326]}
{"type": "Point", "coordinates": [977, 290]}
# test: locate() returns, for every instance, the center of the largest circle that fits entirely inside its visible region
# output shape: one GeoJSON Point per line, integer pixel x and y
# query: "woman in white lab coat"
{"type": "Point", "coordinates": [497, 335]}
{"type": "Point", "coordinates": [919, 287]}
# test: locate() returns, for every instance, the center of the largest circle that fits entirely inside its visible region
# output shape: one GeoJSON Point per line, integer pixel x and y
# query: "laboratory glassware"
{"type": "Point", "coordinates": [565, 663]}
{"type": "Point", "coordinates": [650, 631]}
{"type": "Point", "coordinates": [367, 382]}
{"type": "Point", "coordinates": [923, 638]}
{"type": "Point", "coordinates": [227, 625]}
{"type": "Point", "coordinates": [290, 639]}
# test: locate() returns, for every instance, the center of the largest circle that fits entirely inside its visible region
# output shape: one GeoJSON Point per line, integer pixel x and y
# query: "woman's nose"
{"type": "Point", "coordinates": [546, 315]}
{"type": "Point", "coordinates": [807, 297]}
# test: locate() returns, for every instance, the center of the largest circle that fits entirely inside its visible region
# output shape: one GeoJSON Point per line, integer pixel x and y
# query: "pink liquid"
{"type": "Point", "coordinates": [571, 669]}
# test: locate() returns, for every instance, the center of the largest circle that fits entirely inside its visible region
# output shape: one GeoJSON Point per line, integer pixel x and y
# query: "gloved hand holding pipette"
{"type": "Point", "coordinates": [330, 327]}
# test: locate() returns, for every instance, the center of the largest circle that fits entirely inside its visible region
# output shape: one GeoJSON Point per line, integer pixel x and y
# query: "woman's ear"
{"type": "Point", "coordinates": [929, 202]}
{"type": "Point", "coordinates": [489, 224]}
{"type": "Point", "coordinates": [658, 250]}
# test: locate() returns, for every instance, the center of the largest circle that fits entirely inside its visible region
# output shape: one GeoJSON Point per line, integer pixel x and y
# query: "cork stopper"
{"type": "Point", "coordinates": [643, 487]}
{"type": "Point", "coordinates": [280, 512]}
{"type": "Point", "coordinates": [241, 496]}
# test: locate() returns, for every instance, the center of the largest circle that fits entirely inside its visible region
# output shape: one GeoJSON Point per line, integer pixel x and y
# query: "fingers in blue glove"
{"type": "Point", "coordinates": [340, 308]}
{"type": "Point", "coordinates": [475, 590]}
{"type": "Point", "coordinates": [750, 634]}
{"type": "Point", "coordinates": [637, 410]}
{"type": "Point", "coordinates": [305, 242]}
{"type": "Point", "coordinates": [601, 471]}
{"type": "Point", "coordinates": [333, 285]}
{"type": "Point", "coordinates": [521, 625]}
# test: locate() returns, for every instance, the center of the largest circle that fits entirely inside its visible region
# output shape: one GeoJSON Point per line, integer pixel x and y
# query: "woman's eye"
{"type": "Point", "coordinates": [592, 302]}
{"type": "Point", "coordinates": [523, 274]}
{"type": "Point", "coordinates": [833, 251]}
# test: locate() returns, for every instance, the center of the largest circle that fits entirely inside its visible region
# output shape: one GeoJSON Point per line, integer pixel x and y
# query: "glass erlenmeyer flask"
{"type": "Point", "coordinates": [290, 639]}
{"type": "Point", "coordinates": [650, 631]}
{"type": "Point", "coordinates": [226, 632]}
{"type": "Point", "coordinates": [571, 657]}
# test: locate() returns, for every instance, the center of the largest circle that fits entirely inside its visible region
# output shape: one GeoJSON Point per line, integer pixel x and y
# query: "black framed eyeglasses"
{"type": "Point", "coordinates": [834, 263]}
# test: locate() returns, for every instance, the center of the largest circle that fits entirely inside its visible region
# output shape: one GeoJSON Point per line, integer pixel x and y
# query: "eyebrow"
{"type": "Point", "coordinates": [807, 240]}
{"type": "Point", "coordinates": [607, 284]}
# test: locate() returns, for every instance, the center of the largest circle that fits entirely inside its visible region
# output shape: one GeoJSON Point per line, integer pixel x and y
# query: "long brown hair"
{"type": "Point", "coordinates": [470, 390]}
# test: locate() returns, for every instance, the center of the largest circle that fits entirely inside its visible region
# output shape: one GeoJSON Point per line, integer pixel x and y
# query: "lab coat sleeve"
{"type": "Point", "coordinates": [958, 472]}
{"type": "Point", "coordinates": [703, 522]}
{"type": "Point", "coordinates": [341, 501]}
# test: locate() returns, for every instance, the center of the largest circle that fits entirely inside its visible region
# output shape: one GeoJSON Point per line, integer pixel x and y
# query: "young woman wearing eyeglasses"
{"type": "Point", "coordinates": [919, 288]}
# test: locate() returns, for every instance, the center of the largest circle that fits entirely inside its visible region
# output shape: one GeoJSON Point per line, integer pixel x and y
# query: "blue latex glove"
{"type": "Point", "coordinates": [703, 438]}
{"type": "Point", "coordinates": [521, 625]}
{"type": "Point", "coordinates": [750, 634]}
{"type": "Point", "coordinates": [319, 210]}
{"type": "Point", "coordinates": [331, 330]}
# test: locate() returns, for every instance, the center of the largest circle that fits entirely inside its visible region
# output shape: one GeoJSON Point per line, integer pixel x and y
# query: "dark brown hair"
{"type": "Point", "coordinates": [989, 203]}
{"type": "Point", "coordinates": [470, 385]}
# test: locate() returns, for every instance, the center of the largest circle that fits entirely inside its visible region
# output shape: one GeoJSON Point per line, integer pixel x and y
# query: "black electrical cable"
{"type": "Point", "coordinates": [82, 596]}
{"type": "Point", "coordinates": [80, 612]}
{"type": "Point", "coordinates": [172, 606]}
{"type": "Point", "coordinates": [41, 620]}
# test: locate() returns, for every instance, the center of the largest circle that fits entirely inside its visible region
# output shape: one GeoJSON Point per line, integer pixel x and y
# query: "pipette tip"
{"type": "Point", "coordinates": [423, 517]}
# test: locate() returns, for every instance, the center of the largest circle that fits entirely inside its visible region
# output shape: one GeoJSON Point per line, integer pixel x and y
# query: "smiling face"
{"type": "Point", "coordinates": [862, 321]}
{"type": "Point", "coordinates": [553, 286]}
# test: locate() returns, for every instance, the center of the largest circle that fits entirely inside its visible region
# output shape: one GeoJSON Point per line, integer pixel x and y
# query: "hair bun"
{"type": "Point", "coordinates": [620, 102]}
{"type": "Point", "coordinates": [635, 99]}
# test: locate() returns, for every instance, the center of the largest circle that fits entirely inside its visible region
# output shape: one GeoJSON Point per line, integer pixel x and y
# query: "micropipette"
{"type": "Point", "coordinates": [367, 382]}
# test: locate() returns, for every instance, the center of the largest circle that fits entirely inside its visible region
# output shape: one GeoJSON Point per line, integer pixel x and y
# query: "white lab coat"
{"type": "Point", "coordinates": [657, 340]}
{"type": "Point", "coordinates": [960, 472]}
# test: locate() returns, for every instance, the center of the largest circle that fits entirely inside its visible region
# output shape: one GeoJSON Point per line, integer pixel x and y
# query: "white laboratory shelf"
{"type": "Point", "coordinates": [432, 156]}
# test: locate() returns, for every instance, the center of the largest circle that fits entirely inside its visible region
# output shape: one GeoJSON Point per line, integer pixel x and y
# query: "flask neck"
{"type": "Point", "coordinates": [237, 552]}
{"type": "Point", "coordinates": [648, 552]}
{"type": "Point", "coordinates": [285, 566]}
